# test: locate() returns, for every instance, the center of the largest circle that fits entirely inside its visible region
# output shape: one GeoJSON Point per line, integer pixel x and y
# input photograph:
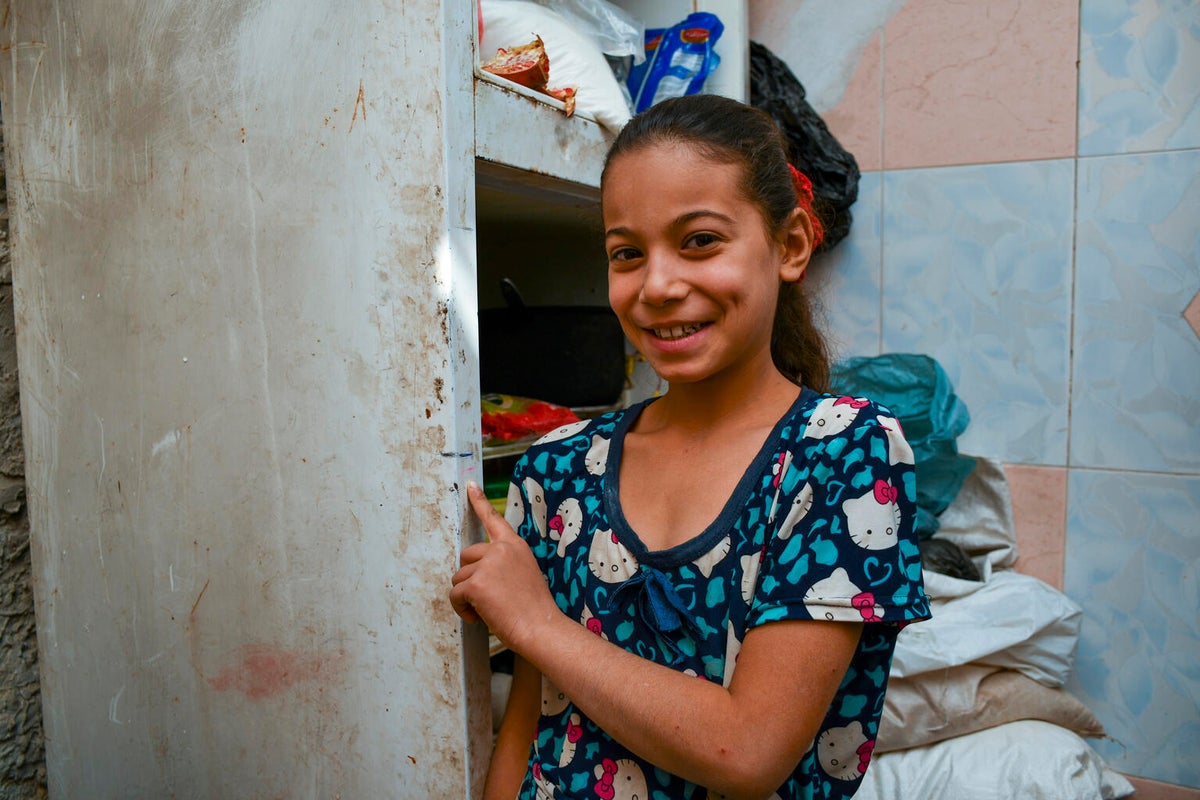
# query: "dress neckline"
{"type": "Point", "coordinates": [704, 541]}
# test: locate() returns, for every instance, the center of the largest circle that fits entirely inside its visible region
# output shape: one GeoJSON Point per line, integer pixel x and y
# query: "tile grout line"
{"type": "Point", "coordinates": [883, 167]}
{"type": "Point", "coordinates": [1066, 509]}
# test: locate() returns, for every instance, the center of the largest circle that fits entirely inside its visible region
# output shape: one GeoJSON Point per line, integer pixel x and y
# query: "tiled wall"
{"type": "Point", "coordinates": [1029, 215]}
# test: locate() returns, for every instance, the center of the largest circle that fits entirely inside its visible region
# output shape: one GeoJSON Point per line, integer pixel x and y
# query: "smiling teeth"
{"type": "Point", "coordinates": [678, 332]}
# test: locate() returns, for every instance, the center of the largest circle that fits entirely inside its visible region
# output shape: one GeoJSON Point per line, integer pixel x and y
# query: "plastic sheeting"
{"type": "Point", "coordinates": [1011, 620]}
{"type": "Point", "coordinates": [1007, 619]}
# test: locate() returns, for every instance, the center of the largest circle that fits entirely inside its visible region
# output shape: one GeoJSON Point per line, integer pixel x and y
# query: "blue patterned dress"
{"type": "Point", "coordinates": [821, 526]}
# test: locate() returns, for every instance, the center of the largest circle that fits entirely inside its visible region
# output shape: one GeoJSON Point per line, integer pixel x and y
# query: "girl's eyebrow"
{"type": "Point", "coordinates": [679, 221]}
{"type": "Point", "coordinates": [683, 219]}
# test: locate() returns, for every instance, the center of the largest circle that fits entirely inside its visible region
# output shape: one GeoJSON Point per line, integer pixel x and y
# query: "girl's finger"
{"type": "Point", "coordinates": [496, 526]}
{"type": "Point", "coordinates": [472, 553]}
{"type": "Point", "coordinates": [463, 574]}
{"type": "Point", "coordinates": [462, 606]}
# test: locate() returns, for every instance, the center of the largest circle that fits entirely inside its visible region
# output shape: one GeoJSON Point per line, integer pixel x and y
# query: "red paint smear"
{"type": "Point", "coordinates": [265, 670]}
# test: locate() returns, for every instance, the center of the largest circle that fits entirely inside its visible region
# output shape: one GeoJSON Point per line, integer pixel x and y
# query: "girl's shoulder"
{"type": "Point", "coordinates": [828, 415]}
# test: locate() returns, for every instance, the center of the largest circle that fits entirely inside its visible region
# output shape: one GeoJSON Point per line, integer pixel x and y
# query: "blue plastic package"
{"type": "Point", "coordinates": [678, 60]}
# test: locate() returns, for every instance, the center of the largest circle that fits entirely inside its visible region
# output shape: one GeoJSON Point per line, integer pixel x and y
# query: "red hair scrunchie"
{"type": "Point", "coordinates": [804, 195]}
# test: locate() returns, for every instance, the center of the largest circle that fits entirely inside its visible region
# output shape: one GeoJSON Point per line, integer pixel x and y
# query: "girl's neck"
{"type": "Point", "coordinates": [753, 401]}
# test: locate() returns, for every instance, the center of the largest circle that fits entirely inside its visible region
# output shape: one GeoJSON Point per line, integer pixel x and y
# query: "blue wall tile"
{"type": "Point", "coordinates": [1135, 402]}
{"type": "Point", "coordinates": [845, 281]}
{"type": "Point", "coordinates": [1133, 555]}
{"type": "Point", "coordinates": [1139, 76]}
{"type": "Point", "coordinates": [977, 274]}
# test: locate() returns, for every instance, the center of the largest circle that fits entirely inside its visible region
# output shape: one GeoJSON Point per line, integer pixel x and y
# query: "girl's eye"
{"type": "Point", "coordinates": [701, 240]}
{"type": "Point", "coordinates": [621, 254]}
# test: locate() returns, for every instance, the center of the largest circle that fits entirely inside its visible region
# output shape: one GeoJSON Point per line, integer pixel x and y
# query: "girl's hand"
{"type": "Point", "coordinates": [499, 582]}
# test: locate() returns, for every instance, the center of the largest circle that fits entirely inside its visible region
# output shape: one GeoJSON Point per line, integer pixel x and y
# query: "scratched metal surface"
{"type": "Point", "coordinates": [244, 275]}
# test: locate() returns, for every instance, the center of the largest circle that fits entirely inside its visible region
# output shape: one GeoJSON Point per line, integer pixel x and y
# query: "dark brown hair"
{"type": "Point", "coordinates": [730, 132]}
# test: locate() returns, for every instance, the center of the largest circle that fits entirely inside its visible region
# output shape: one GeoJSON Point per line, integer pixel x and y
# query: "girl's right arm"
{"type": "Point", "coordinates": [510, 758]}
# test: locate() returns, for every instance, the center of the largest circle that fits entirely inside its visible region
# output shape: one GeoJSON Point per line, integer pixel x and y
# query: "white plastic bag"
{"type": "Point", "coordinates": [1029, 759]}
{"type": "Point", "coordinates": [617, 33]}
{"type": "Point", "coordinates": [575, 59]}
{"type": "Point", "coordinates": [1012, 620]}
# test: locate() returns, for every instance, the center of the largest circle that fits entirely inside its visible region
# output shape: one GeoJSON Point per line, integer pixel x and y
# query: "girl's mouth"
{"type": "Point", "coordinates": [677, 331]}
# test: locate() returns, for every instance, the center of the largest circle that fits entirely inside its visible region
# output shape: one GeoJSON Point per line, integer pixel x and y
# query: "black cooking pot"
{"type": "Point", "coordinates": [569, 355]}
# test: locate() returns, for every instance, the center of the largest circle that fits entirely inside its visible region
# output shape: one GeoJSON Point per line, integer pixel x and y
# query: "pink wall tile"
{"type": "Point", "coordinates": [1147, 789]}
{"type": "Point", "coordinates": [979, 82]}
{"type": "Point", "coordinates": [1039, 500]}
{"type": "Point", "coordinates": [857, 120]}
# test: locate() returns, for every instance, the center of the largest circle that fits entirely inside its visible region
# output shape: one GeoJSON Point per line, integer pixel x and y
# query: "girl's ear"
{"type": "Point", "coordinates": [797, 246]}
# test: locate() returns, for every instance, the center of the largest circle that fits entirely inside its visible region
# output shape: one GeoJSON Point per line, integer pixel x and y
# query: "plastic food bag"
{"type": "Point", "coordinates": [915, 388]}
{"type": "Point", "coordinates": [616, 32]}
{"type": "Point", "coordinates": [506, 418]}
{"type": "Point", "coordinates": [814, 150]}
{"type": "Point", "coordinates": [678, 60]}
{"type": "Point", "coordinates": [575, 60]}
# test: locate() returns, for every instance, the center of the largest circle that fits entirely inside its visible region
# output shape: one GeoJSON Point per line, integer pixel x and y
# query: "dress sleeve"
{"type": "Point", "coordinates": [841, 538]}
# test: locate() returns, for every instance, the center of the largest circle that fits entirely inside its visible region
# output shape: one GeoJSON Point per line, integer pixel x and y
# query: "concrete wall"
{"type": "Point", "coordinates": [22, 749]}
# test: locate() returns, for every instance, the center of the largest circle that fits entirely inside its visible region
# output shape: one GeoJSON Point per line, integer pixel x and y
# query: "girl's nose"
{"type": "Point", "coordinates": [662, 281]}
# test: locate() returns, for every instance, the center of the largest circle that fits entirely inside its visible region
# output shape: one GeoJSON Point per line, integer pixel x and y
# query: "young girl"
{"type": "Point", "coordinates": [703, 590]}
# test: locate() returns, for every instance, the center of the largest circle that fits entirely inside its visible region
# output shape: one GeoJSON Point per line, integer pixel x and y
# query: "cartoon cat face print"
{"type": "Point", "coordinates": [799, 508]}
{"type": "Point", "coordinates": [751, 564]}
{"type": "Point", "coordinates": [542, 788]}
{"type": "Point", "coordinates": [571, 741]}
{"type": "Point", "coordinates": [537, 504]}
{"type": "Point", "coordinates": [566, 524]}
{"type": "Point", "coordinates": [554, 702]}
{"type": "Point", "coordinates": [706, 562]}
{"type": "Point", "coordinates": [733, 647]}
{"type": "Point", "coordinates": [590, 621]}
{"type": "Point", "coordinates": [899, 450]}
{"type": "Point", "coordinates": [832, 416]}
{"type": "Point", "coordinates": [514, 511]}
{"type": "Point", "coordinates": [826, 598]}
{"type": "Point", "coordinates": [873, 520]}
{"type": "Point", "coordinates": [597, 456]}
{"type": "Point", "coordinates": [780, 467]}
{"type": "Point", "coordinates": [609, 560]}
{"type": "Point", "coordinates": [563, 432]}
{"type": "Point", "coordinates": [844, 752]}
{"type": "Point", "coordinates": [779, 472]}
{"type": "Point", "coordinates": [620, 780]}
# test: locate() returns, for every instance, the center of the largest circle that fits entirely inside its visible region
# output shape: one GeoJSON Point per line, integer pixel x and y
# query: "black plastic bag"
{"type": "Point", "coordinates": [814, 150]}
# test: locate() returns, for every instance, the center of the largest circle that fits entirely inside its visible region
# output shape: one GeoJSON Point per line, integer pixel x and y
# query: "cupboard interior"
{"type": "Point", "coordinates": [543, 232]}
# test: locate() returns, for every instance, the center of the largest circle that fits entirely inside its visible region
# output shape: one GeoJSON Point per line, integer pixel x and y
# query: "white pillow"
{"type": "Point", "coordinates": [575, 58]}
{"type": "Point", "coordinates": [1030, 760]}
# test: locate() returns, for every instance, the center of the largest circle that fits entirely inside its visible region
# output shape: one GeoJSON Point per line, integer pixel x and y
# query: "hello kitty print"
{"type": "Point", "coordinates": [821, 527]}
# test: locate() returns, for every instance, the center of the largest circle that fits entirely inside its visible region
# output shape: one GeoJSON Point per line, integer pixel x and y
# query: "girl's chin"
{"type": "Point", "coordinates": [677, 373]}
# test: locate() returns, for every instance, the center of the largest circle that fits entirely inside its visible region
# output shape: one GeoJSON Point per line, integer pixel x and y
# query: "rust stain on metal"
{"type": "Point", "coordinates": [261, 670]}
{"type": "Point", "coordinates": [203, 589]}
{"type": "Point", "coordinates": [359, 103]}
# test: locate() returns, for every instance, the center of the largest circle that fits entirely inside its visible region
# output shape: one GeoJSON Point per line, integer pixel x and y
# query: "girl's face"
{"type": "Point", "coordinates": [693, 272]}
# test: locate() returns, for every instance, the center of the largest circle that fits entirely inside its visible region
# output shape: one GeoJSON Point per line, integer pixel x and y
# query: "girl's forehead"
{"type": "Point", "coordinates": [661, 166]}
{"type": "Point", "coordinates": [683, 154]}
